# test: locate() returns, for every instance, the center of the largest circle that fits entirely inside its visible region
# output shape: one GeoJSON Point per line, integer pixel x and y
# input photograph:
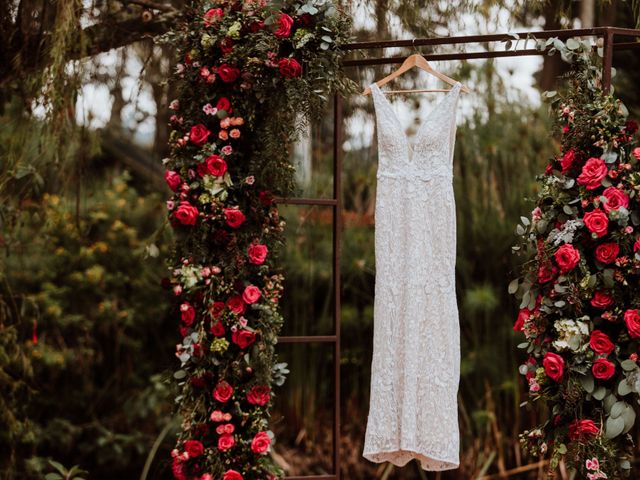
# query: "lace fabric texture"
{"type": "Point", "coordinates": [415, 371]}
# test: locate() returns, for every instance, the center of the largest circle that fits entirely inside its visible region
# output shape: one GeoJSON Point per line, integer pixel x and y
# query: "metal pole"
{"type": "Point", "coordinates": [607, 60]}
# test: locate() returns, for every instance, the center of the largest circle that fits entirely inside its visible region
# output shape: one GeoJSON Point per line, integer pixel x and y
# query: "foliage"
{"type": "Point", "coordinates": [578, 290]}
{"type": "Point", "coordinates": [252, 72]}
{"type": "Point", "coordinates": [81, 340]}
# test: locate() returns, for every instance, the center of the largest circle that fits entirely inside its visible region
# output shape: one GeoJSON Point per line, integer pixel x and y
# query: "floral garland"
{"type": "Point", "coordinates": [249, 69]}
{"type": "Point", "coordinates": [579, 295]}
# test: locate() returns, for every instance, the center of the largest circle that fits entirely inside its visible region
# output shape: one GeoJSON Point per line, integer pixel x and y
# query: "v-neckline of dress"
{"type": "Point", "coordinates": [411, 145]}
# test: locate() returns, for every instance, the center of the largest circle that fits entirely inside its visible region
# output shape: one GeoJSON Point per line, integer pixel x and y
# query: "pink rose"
{"type": "Point", "coordinates": [632, 320]}
{"type": "Point", "coordinates": [236, 304]}
{"type": "Point", "coordinates": [216, 166]}
{"type": "Point", "coordinates": [597, 222]}
{"type": "Point", "coordinates": [616, 199]}
{"type": "Point", "coordinates": [243, 338]}
{"type": "Point", "coordinates": [257, 253]}
{"type": "Point", "coordinates": [251, 294]}
{"type": "Point", "coordinates": [234, 217]}
{"type": "Point", "coordinates": [289, 68]}
{"type": "Point", "coordinates": [593, 171]}
{"type": "Point", "coordinates": [603, 369]}
{"type": "Point", "coordinates": [582, 429]}
{"type": "Point", "coordinates": [567, 257]}
{"type": "Point", "coordinates": [232, 475]}
{"type": "Point", "coordinates": [186, 213]}
{"type": "Point", "coordinates": [223, 392]}
{"type": "Point", "coordinates": [212, 15]}
{"type": "Point", "coordinates": [260, 443]}
{"type": "Point", "coordinates": [226, 442]}
{"type": "Point", "coordinates": [173, 180]}
{"type": "Point", "coordinates": [600, 343]}
{"type": "Point", "coordinates": [601, 299]}
{"type": "Point", "coordinates": [259, 395]}
{"type": "Point", "coordinates": [553, 366]}
{"type": "Point", "coordinates": [285, 22]}
{"type": "Point", "coordinates": [228, 74]}
{"type": "Point", "coordinates": [194, 448]}
{"type": "Point", "coordinates": [199, 134]}
{"type": "Point", "coordinates": [607, 253]}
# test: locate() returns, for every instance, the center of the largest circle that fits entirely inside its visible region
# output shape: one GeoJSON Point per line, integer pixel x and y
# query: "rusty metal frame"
{"type": "Point", "coordinates": [608, 35]}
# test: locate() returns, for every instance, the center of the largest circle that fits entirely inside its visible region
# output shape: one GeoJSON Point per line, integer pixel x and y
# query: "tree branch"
{"type": "Point", "coordinates": [163, 7]}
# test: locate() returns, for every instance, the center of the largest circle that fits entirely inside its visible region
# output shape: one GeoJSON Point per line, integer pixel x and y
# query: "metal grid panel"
{"type": "Point", "coordinates": [607, 33]}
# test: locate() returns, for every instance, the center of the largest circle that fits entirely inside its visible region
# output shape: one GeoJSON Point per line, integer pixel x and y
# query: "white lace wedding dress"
{"type": "Point", "coordinates": [415, 371]}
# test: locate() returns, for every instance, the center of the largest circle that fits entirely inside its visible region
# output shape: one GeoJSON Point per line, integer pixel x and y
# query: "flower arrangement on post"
{"type": "Point", "coordinates": [248, 69]}
{"type": "Point", "coordinates": [579, 295]}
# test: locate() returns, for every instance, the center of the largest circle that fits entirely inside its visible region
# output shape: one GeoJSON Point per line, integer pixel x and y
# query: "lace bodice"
{"type": "Point", "coordinates": [416, 345]}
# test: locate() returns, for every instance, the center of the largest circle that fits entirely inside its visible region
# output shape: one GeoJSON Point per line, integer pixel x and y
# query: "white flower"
{"type": "Point", "coordinates": [209, 109]}
{"type": "Point", "coordinates": [571, 334]}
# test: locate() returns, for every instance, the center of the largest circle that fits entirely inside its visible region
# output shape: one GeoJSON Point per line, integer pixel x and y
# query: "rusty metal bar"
{"type": "Point", "coordinates": [625, 45]}
{"type": "Point", "coordinates": [607, 60]}
{"type": "Point", "coordinates": [307, 339]}
{"type": "Point", "coordinates": [444, 56]}
{"type": "Point", "coordinates": [497, 37]}
{"type": "Point", "coordinates": [305, 201]}
{"type": "Point", "coordinates": [337, 244]}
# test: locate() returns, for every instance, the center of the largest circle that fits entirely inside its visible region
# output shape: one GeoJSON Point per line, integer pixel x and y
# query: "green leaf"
{"type": "Point", "coordinates": [561, 449]}
{"type": "Point", "coordinates": [613, 427]}
{"type": "Point", "coordinates": [520, 230]}
{"type": "Point", "coordinates": [572, 44]}
{"type": "Point", "coordinates": [628, 365]}
{"type": "Point", "coordinates": [599, 393]}
{"type": "Point", "coordinates": [58, 466]}
{"type": "Point", "coordinates": [629, 417]}
{"type": "Point", "coordinates": [523, 345]}
{"type": "Point", "coordinates": [624, 388]}
{"type": "Point", "coordinates": [53, 476]}
{"type": "Point", "coordinates": [180, 374]}
{"type": "Point", "coordinates": [587, 383]}
{"type": "Point", "coordinates": [617, 409]}
{"type": "Point", "coordinates": [513, 286]}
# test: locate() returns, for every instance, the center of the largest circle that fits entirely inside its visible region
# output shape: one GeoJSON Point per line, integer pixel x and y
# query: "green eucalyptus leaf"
{"type": "Point", "coordinates": [624, 388]}
{"type": "Point", "coordinates": [628, 365]}
{"type": "Point", "coordinates": [513, 286]}
{"type": "Point", "coordinates": [587, 383]}
{"type": "Point", "coordinates": [613, 427]}
{"type": "Point", "coordinates": [599, 393]}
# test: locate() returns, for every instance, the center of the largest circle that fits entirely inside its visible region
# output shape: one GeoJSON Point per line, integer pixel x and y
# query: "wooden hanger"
{"type": "Point", "coordinates": [415, 60]}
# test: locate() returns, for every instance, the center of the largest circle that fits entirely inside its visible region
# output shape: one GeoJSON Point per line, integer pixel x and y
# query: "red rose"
{"type": "Point", "coordinates": [199, 134]}
{"type": "Point", "coordinates": [553, 366]}
{"type": "Point", "coordinates": [173, 180]}
{"type": "Point", "coordinates": [212, 15]}
{"type": "Point", "coordinates": [234, 217]}
{"type": "Point", "coordinates": [236, 304]}
{"type": "Point", "coordinates": [285, 22]}
{"type": "Point", "coordinates": [257, 253]}
{"type": "Point", "coordinates": [243, 338]}
{"type": "Point", "coordinates": [289, 67]}
{"type": "Point", "coordinates": [567, 257]}
{"type": "Point", "coordinates": [232, 475]}
{"type": "Point", "coordinates": [607, 252]}
{"type": "Point", "coordinates": [226, 45]}
{"type": "Point", "coordinates": [217, 329]}
{"type": "Point", "coordinates": [266, 198]}
{"type": "Point", "coordinates": [567, 160]}
{"type": "Point", "coordinates": [523, 316]}
{"type": "Point", "coordinates": [228, 74]}
{"type": "Point", "coordinates": [305, 19]}
{"type": "Point", "coordinates": [593, 171]}
{"type": "Point", "coordinates": [616, 199]}
{"type": "Point", "coordinates": [256, 26]}
{"type": "Point", "coordinates": [600, 343]}
{"type": "Point", "coordinates": [632, 320]}
{"type": "Point", "coordinates": [251, 294]}
{"type": "Point", "coordinates": [601, 299]}
{"type": "Point", "coordinates": [224, 104]}
{"type": "Point", "coordinates": [216, 166]}
{"type": "Point", "coordinates": [603, 369]}
{"type": "Point", "coordinates": [259, 395]}
{"type": "Point", "coordinates": [223, 392]}
{"type": "Point", "coordinates": [186, 213]}
{"type": "Point", "coordinates": [260, 443]}
{"type": "Point", "coordinates": [216, 309]}
{"type": "Point", "coordinates": [581, 429]}
{"type": "Point", "coordinates": [597, 222]}
{"type": "Point", "coordinates": [194, 448]}
{"type": "Point", "coordinates": [178, 469]}
{"type": "Point", "coordinates": [188, 313]}
{"type": "Point", "coordinates": [226, 442]}
{"type": "Point", "coordinates": [202, 169]}
{"type": "Point", "coordinates": [546, 272]}
{"type": "Point", "coordinates": [636, 245]}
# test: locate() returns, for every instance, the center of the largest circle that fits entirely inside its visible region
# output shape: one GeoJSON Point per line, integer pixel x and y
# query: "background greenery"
{"type": "Point", "coordinates": [85, 339]}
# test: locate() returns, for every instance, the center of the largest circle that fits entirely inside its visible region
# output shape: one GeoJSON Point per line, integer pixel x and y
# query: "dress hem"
{"type": "Point", "coordinates": [427, 462]}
